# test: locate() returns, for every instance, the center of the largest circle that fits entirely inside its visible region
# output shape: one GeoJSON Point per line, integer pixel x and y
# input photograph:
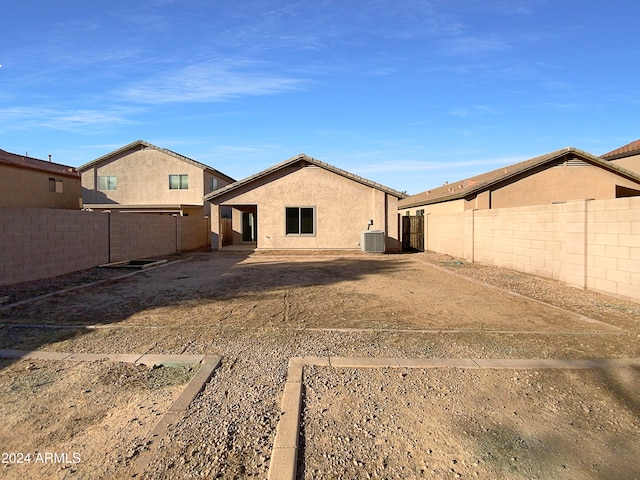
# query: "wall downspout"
{"type": "Point", "coordinates": [108, 237]}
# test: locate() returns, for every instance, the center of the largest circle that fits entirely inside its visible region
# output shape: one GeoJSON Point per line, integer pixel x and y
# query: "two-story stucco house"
{"type": "Point", "coordinates": [143, 178]}
{"type": "Point", "coordinates": [33, 183]}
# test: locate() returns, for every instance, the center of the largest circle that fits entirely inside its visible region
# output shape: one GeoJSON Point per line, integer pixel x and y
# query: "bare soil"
{"type": "Point", "coordinates": [259, 310]}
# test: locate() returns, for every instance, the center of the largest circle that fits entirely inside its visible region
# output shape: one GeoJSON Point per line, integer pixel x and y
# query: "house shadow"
{"type": "Point", "coordinates": [206, 282]}
{"type": "Point", "coordinates": [589, 434]}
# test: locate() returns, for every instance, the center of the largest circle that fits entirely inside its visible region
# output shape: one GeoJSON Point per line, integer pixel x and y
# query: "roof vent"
{"type": "Point", "coordinates": [576, 162]}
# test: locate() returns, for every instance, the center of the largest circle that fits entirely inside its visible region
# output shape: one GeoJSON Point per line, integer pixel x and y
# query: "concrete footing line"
{"type": "Point", "coordinates": [284, 455]}
{"type": "Point", "coordinates": [433, 331]}
{"type": "Point", "coordinates": [175, 413]}
{"type": "Point", "coordinates": [137, 358]}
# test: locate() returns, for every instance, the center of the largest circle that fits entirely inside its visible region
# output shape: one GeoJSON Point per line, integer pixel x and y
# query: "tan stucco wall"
{"type": "Point", "coordinates": [143, 179]}
{"type": "Point", "coordinates": [30, 188]}
{"type": "Point", "coordinates": [343, 209]}
{"type": "Point", "coordinates": [556, 184]}
{"type": "Point", "coordinates": [560, 184]}
{"type": "Point", "coordinates": [630, 163]}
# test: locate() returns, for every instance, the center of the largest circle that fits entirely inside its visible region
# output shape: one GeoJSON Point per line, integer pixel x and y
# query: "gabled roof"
{"type": "Point", "coordinates": [628, 150]}
{"type": "Point", "coordinates": [302, 159]}
{"type": "Point", "coordinates": [22, 161]}
{"type": "Point", "coordinates": [475, 185]}
{"type": "Point", "coordinates": [140, 145]}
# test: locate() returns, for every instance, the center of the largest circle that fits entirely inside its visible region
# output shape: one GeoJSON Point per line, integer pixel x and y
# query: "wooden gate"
{"type": "Point", "coordinates": [413, 233]}
{"type": "Point", "coordinates": [226, 233]}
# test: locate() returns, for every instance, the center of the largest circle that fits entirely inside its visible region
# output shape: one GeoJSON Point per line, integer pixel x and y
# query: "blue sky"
{"type": "Point", "coordinates": [407, 93]}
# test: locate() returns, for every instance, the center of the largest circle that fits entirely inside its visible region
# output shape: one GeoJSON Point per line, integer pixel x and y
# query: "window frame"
{"type": "Point", "coordinates": [110, 181]}
{"type": "Point", "coordinates": [301, 222]}
{"type": "Point", "coordinates": [56, 185]}
{"type": "Point", "coordinates": [182, 179]}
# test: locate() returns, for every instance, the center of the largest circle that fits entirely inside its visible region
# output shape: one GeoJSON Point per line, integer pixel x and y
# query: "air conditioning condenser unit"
{"type": "Point", "coordinates": [372, 241]}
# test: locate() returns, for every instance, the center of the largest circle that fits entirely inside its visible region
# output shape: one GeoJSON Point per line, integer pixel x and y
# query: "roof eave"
{"type": "Point", "coordinates": [137, 143]}
{"type": "Point", "coordinates": [293, 160]}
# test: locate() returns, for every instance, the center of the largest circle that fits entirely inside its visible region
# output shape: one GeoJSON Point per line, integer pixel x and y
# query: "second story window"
{"type": "Point", "coordinates": [214, 184]}
{"type": "Point", "coordinates": [107, 182]}
{"type": "Point", "coordinates": [178, 182]}
{"type": "Point", "coordinates": [55, 185]}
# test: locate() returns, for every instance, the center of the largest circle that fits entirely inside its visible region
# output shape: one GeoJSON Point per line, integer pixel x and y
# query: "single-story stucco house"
{"type": "Point", "coordinates": [303, 203]}
{"type": "Point", "coordinates": [560, 176]}
{"type": "Point", "coordinates": [627, 156]}
{"type": "Point", "coordinates": [143, 178]}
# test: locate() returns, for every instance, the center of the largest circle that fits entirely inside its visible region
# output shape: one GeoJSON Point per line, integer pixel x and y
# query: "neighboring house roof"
{"type": "Point", "coordinates": [302, 159]}
{"type": "Point", "coordinates": [22, 161]}
{"type": "Point", "coordinates": [140, 144]}
{"type": "Point", "coordinates": [474, 185]}
{"type": "Point", "coordinates": [628, 150]}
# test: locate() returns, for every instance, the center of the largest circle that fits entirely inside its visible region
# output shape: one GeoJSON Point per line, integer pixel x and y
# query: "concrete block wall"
{"type": "Point", "coordinates": [193, 232]}
{"type": "Point", "coordinates": [445, 233]}
{"type": "Point", "coordinates": [140, 235]}
{"type": "Point", "coordinates": [613, 246]}
{"type": "Point", "coordinates": [589, 244]}
{"type": "Point", "coordinates": [38, 243]}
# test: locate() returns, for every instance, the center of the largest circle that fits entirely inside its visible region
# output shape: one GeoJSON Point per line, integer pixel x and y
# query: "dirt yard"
{"type": "Point", "coordinates": [258, 311]}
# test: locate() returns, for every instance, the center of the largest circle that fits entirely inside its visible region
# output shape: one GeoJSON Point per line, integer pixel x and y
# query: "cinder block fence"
{"type": "Point", "coordinates": [40, 243]}
{"type": "Point", "coordinates": [592, 244]}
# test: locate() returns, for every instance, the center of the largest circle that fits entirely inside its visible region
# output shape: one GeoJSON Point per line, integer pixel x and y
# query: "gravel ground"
{"type": "Point", "coordinates": [257, 313]}
{"type": "Point", "coordinates": [599, 306]}
{"type": "Point", "coordinates": [448, 423]}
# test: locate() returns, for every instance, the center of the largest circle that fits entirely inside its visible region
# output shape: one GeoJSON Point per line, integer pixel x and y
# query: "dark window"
{"type": "Point", "coordinates": [55, 186]}
{"type": "Point", "coordinates": [300, 220]}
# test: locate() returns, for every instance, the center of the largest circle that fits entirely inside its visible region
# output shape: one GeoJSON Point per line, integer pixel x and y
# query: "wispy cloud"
{"type": "Point", "coordinates": [63, 118]}
{"type": "Point", "coordinates": [209, 82]}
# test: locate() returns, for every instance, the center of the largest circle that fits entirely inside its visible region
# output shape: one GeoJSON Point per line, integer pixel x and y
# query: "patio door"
{"type": "Point", "coordinates": [249, 227]}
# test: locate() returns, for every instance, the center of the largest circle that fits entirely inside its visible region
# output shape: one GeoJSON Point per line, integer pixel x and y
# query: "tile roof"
{"type": "Point", "coordinates": [140, 144]}
{"type": "Point", "coordinates": [304, 159]}
{"type": "Point", "coordinates": [474, 185]}
{"type": "Point", "coordinates": [31, 163]}
{"type": "Point", "coordinates": [629, 149]}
